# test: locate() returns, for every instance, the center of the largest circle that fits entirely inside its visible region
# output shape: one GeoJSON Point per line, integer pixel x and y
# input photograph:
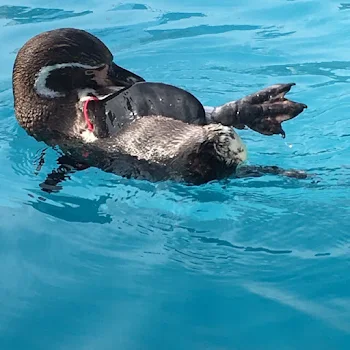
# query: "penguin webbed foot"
{"type": "Point", "coordinates": [66, 167]}
{"type": "Point", "coordinates": [263, 111]}
{"type": "Point", "coordinates": [245, 171]}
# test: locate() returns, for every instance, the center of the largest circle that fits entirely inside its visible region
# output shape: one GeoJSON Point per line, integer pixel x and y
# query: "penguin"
{"type": "Point", "coordinates": [69, 93]}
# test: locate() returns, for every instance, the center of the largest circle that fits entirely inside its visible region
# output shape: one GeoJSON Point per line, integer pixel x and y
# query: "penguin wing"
{"type": "Point", "coordinates": [148, 98]}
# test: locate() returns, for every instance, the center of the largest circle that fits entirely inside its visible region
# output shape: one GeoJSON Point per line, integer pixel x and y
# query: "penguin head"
{"type": "Point", "coordinates": [54, 70]}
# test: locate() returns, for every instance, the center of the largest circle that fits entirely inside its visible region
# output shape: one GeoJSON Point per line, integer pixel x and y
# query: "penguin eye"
{"type": "Point", "coordinates": [89, 72]}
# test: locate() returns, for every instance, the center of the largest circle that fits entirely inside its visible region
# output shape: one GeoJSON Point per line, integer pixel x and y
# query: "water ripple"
{"type": "Point", "coordinates": [158, 34]}
{"type": "Point", "coordinates": [23, 14]}
{"type": "Point", "coordinates": [146, 257]}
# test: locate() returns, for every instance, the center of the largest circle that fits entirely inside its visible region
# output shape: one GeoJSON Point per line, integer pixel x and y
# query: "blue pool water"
{"type": "Point", "coordinates": [246, 264]}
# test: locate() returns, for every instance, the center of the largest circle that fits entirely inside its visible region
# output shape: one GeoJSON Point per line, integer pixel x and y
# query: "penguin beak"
{"type": "Point", "coordinates": [122, 77]}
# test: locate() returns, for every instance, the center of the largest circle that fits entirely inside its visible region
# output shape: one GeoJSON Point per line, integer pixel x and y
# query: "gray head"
{"type": "Point", "coordinates": [53, 70]}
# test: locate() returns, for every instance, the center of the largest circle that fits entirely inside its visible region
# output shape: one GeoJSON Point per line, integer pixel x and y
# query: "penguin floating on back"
{"type": "Point", "coordinates": [69, 93]}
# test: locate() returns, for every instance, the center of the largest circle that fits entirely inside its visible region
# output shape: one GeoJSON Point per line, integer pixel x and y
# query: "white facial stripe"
{"type": "Point", "coordinates": [41, 78]}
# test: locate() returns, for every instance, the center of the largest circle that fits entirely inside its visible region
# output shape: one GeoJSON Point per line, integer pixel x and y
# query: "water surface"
{"type": "Point", "coordinates": [260, 263]}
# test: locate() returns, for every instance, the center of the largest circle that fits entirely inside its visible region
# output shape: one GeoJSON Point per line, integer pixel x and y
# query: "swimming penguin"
{"type": "Point", "coordinates": [69, 93]}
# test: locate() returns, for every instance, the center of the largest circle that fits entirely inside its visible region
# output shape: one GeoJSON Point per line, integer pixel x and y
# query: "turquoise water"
{"type": "Point", "coordinates": [252, 264]}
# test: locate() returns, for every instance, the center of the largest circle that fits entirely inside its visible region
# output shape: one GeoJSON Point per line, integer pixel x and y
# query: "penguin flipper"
{"type": "Point", "coordinates": [149, 98]}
